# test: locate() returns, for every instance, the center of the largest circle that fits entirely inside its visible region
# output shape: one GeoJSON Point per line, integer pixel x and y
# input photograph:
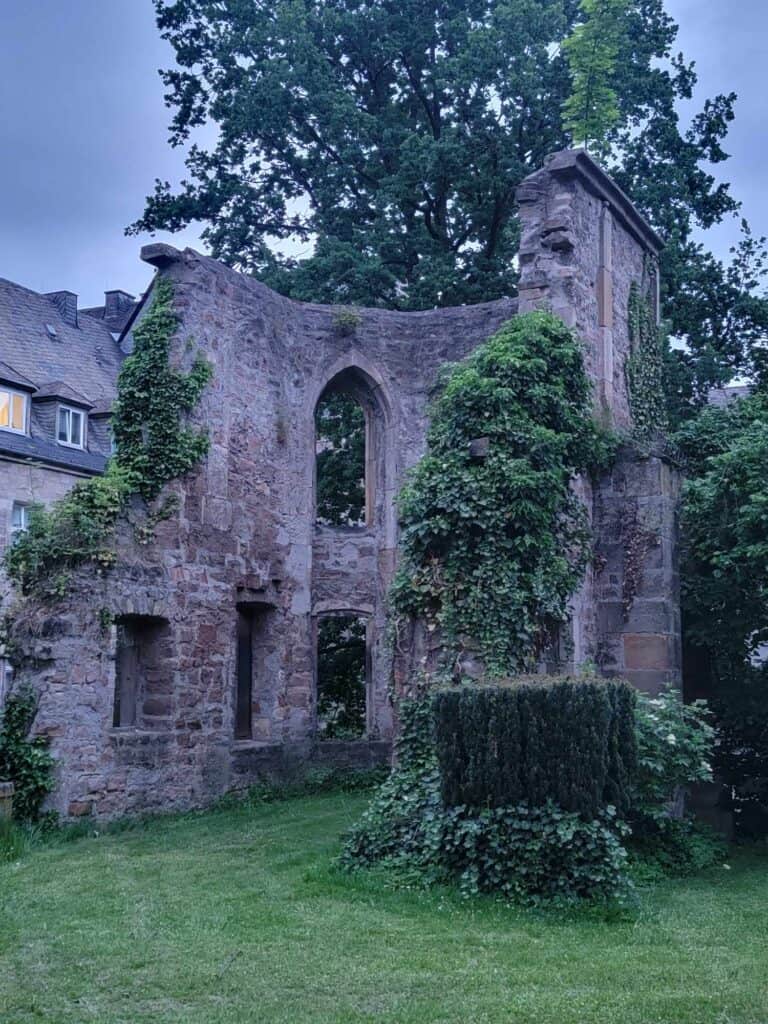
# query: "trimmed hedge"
{"type": "Point", "coordinates": [571, 742]}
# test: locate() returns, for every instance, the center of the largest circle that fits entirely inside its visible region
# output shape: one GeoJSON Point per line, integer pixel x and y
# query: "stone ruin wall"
{"type": "Point", "coordinates": [245, 537]}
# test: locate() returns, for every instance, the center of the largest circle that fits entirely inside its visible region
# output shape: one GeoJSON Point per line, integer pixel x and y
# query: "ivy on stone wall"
{"type": "Point", "coordinates": [644, 370]}
{"type": "Point", "coordinates": [152, 448]}
{"type": "Point", "coordinates": [493, 538]}
{"type": "Point", "coordinates": [152, 444]}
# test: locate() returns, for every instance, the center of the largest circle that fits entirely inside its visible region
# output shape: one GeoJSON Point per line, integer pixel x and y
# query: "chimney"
{"type": "Point", "coordinates": [66, 303]}
{"type": "Point", "coordinates": [117, 303]}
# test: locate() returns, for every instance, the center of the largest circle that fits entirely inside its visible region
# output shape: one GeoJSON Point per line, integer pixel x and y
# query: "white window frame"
{"type": "Point", "coordinates": [70, 409]}
{"type": "Point", "coordinates": [13, 393]}
{"type": "Point", "coordinates": [23, 509]}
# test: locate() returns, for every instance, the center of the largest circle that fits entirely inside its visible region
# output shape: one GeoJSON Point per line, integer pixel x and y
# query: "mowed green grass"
{"type": "Point", "coordinates": [240, 916]}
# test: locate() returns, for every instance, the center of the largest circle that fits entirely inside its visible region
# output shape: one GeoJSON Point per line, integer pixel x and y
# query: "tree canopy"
{"type": "Point", "coordinates": [392, 134]}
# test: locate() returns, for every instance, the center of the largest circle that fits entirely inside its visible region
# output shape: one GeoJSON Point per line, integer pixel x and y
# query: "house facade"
{"type": "Point", "coordinates": [191, 667]}
{"type": "Point", "coordinates": [58, 379]}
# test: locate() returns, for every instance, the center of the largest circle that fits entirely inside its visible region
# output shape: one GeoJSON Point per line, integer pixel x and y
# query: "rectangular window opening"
{"type": "Point", "coordinates": [6, 677]}
{"type": "Point", "coordinates": [244, 694]}
{"type": "Point", "coordinates": [143, 685]}
{"type": "Point", "coordinates": [343, 672]}
{"type": "Point", "coordinates": [256, 672]}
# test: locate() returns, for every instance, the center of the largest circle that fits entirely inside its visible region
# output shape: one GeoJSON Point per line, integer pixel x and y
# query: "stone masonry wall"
{"type": "Point", "coordinates": [245, 535]}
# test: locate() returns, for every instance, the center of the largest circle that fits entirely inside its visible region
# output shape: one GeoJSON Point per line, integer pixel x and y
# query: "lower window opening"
{"type": "Point", "coordinates": [342, 675]}
{"type": "Point", "coordinates": [143, 694]}
{"type": "Point", "coordinates": [256, 672]}
{"type": "Point", "coordinates": [244, 694]}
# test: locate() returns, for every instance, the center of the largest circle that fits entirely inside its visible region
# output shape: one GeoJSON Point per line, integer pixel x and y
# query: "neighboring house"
{"type": "Point", "coordinates": [58, 379]}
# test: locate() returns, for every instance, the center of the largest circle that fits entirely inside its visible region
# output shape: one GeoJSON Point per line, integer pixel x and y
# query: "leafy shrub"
{"type": "Point", "coordinates": [532, 854]}
{"type": "Point", "coordinates": [544, 743]}
{"type": "Point", "coordinates": [674, 749]}
{"type": "Point", "coordinates": [12, 841]}
{"type": "Point", "coordinates": [673, 846]}
{"type": "Point", "coordinates": [570, 742]}
{"type": "Point", "coordinates": [25, 762]}
{"type": "Point", "coordinates": [675, 744]}
{"type": "Point", "coordinates": [492, 548]}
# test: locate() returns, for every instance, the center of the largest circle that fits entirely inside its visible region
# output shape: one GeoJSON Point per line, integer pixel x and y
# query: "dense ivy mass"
{"type": "Point", "coordinates": [645, 369]}
{"type": "Point", "coordinates": [493, 547]}
{"type": "Point", "coordinates": [152, 397]}
{"type": "Point", "coordinates": [153, 447]}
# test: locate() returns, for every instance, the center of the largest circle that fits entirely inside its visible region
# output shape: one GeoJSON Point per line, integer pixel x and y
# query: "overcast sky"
{"type": "Point", "coordinates": [83, 131]}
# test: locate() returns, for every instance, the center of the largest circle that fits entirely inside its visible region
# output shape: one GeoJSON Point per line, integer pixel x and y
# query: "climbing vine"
{"type": "Point", "coordinates": [152, 448]}
{"type": "Point", "coordinates": [644, 369]}
{"type": "Point", "coordinates": [493, 546]}
{"type": "Point", "coordinates": [23, 758]}
{"type": "Point", "coordinates": [152, 396]}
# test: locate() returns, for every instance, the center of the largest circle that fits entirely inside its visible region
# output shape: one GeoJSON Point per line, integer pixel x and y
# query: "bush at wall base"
{"type": "Point", "coordinates": [527, 854]}
{"type": "Point", "coordinates": [532, 850]}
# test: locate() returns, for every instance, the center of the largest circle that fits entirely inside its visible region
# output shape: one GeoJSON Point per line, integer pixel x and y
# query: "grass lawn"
{"type": "Point", "coordinates": [239, 916]}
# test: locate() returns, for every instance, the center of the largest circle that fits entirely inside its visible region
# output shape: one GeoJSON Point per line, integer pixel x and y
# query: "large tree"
{"type": "Point", "coordinates": [392, 135]}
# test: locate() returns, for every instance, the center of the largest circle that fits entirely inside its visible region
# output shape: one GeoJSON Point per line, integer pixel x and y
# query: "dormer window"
{"type": "Point", "coordinates": [13, 411]}
{"type": "Point", "coordinates": [70, 427]}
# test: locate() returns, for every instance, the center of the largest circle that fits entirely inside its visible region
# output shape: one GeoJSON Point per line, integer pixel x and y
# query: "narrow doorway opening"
{"type": "Point", "coordinates": [343, 672]}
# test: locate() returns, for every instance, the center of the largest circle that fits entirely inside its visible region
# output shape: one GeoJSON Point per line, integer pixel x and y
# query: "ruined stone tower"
{"type": "Point", "coordinates": [242, 573]}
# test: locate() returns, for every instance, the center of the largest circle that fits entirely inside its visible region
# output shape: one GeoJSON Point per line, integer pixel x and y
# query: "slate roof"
{"type": "Point", "coordinates": [80, 361]}
{"type": "Point", "coordinates": [37, 449]}
{"type": "Point", "coordinates": [60, 389]}
{"type": "Point", "coordinates": [10, 376]}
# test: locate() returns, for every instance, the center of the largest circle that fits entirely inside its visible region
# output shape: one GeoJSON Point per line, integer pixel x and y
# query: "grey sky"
{"type": "Point", "coordinates": [83, 130]}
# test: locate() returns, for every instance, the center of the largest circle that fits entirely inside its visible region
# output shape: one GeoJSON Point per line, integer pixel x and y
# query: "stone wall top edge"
{"type": "Point", "coordinates": [188, 258]}
{"type": "Point", "coordinates": [578, 164]}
